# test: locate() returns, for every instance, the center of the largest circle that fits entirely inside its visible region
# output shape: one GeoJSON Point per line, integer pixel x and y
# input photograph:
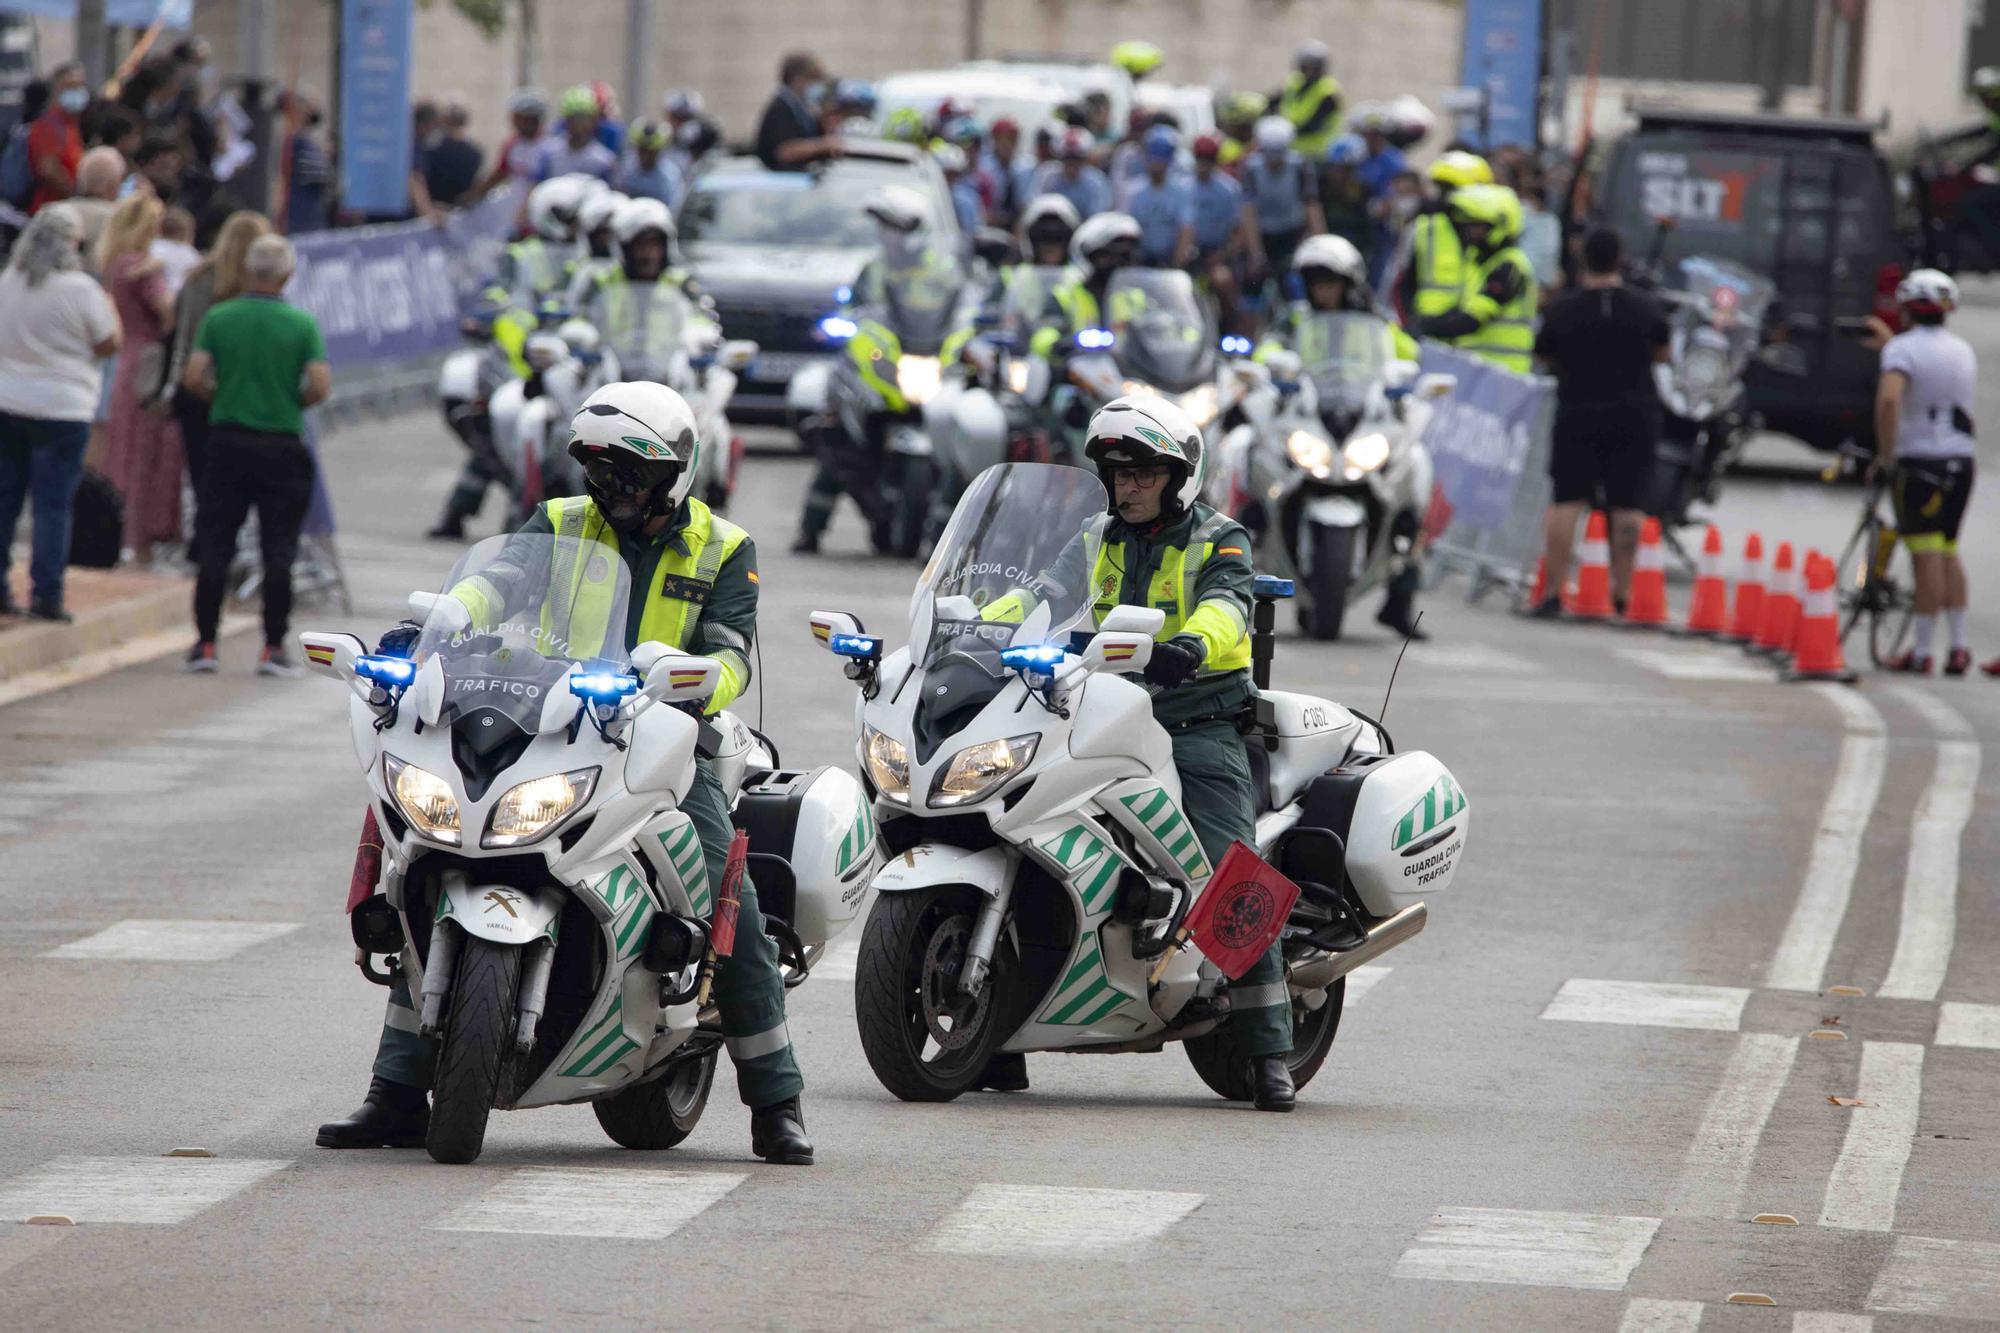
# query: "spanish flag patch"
{"type": "Point", "coordinates": [1229, 550]}
{"type": "Point", "coordinates": [319, 655]}
{"type": "Point", "coordinates": [753, 576]}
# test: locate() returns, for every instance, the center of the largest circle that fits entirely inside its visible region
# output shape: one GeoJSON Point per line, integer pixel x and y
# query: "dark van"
{"type": "Point", "coordinates": [1807, 202]}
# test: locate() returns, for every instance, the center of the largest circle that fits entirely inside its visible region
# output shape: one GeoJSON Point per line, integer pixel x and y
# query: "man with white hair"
{"type": "Point", "coordinates": [98, 177]}
{"type": "Point", "coordinates": [260, 363]}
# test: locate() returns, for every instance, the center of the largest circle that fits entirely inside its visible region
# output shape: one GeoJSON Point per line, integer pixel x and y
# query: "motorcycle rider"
{"type": "Point", "coordinates": [643, 303]}
{"type": "Point", "coordinates": [1046, 227]}
{"type": "Point", "coordinates": [694, 587]}
{"type": "Point", "coordinates": [1157, 546]}
{"type": "Point", "coordinates": [593, 225]}
{"type": "Point", "coordinates": [1494, 318]}
{"type": "Point", "coordinates": [1335, 278]}
{"type": "Point", "coordinates": [1431, 276]}
{"type": "Point", "coordinates": [539, 265]}
{"type": "Point", "coordinates": [1310, 101]}
{"type": "Point", "coordinates": [1102, 245]}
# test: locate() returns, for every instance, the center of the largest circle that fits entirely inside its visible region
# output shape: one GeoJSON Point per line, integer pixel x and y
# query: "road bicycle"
{"type": "Point", "coordinates": [1876, 583]}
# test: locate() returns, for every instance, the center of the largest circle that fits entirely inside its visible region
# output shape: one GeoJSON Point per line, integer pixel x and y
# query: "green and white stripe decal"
{"type": "Point", "coordinates": [603, 1046]}
{"type": "Point", "coordinates": [858, 840]}
{"type": "Point", "coordinates": [631, 908]}
{"type": "Point", "coordinates": [683, 849]}
{"type": "Point", "coordinates": [1440, 803]}
{"type": "Point", "coordinates": [1085, 995]}
{"type": "Point", "coordinates": [1163, 819]}
{"type": "Point", "coordinates": [1090, 863]}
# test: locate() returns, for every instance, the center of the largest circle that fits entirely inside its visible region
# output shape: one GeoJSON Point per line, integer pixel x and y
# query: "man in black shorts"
{"type": "Point", "coordinates": [1600, 340]}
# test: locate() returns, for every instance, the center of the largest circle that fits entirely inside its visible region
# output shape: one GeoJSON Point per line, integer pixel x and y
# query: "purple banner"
{"type": "Point", "coordinates": [1482, 435]}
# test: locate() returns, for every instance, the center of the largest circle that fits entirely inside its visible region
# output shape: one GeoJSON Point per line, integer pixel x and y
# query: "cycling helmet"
{"type": "Point", "coordinates": [1161, 144]}
{"type": "Point", "coordinates": [1137, 59]}
{"type": "Point", "coordinates": [950, 158]}
{"type": "Point", "coordinates": [1347, 151]}
{"type": "Point", "coordinates": [595, 212]}
{"type": "Point", "coordinates": [1207, 146]}
{"type": "Point", "coordinates": [1103, 235]}
{"type": "Point", "coordinates": [1142, 428]}
{"type": "Point", "coordinates": [578, 101]}
{"type": "Point", "coordinates": [1274, 134]}
{"type": "Point", "coordinates": [651, 134]}
{"type": "Point", "coordinates": [552, 207]}
{"type": "Point", "coordinates": [527, 102]}
{"type": "Point", "coordinates": [638, 446]}
{"type": "Point", "coordinates": [1073, 143]}
{"type": "Point", "coordinates": [1243, 108]}
{"type": "Point", "coordinates": [1458, 168]}
{"type": "Point", "coordinates": [905, 125]}
{"type": "Point", "coordinates": [1049, 217]}
{"type": "Point", "coordinates": [1495, 205]}
{"type": "Point", "coordinates": [1335, 254]}
{"type": "Point", "coordinates": [898, 207]}
{"type": "Point", "coordinates": [1926, 292]}
{"type": "Point", "coordinates": [636, 216]}
{"type": "Point", "coordinates": [681, 102]}
{"type": "Point", "coordinates": [1372, 118]}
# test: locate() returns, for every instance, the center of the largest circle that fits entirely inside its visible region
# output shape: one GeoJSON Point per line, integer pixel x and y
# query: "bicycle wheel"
{"type": "Point", "coordinates": [1891, 603]}
{"type": "Point", "coordinates": [1854, 575]}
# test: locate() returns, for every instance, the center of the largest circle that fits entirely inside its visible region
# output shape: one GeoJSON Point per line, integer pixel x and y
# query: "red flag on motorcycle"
{"type": "Point", "coordinates": [367, 863]}
{"type": "Point", "coordinates": [722, 931]}
{"type": "Point", "coordinates": [1240, 911]}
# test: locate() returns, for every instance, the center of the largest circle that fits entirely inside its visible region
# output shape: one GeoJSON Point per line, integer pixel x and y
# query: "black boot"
{"type": "Point", "coordinates": [450, 528]}
{"type": "Point", "coordinates": [1005, 1073]}
{"type": "Point", "coordinates": [778, 1134]}
{"type": "Point", "coordinates": [1271, 1083]}
{"type": "Point", "coordinates": [806, 543]}
{"type": "Point", "coordinates": [1399, 608]}
{"type": "Point", "coordinates": [394, 1115]}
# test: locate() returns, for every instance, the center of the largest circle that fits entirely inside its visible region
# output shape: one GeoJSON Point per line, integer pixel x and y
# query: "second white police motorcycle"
{"type": "Point", "coordinates": [1039, 861]}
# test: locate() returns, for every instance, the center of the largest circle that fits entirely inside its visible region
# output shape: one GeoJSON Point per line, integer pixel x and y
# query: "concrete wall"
{"type": "Point", "coordinates": [1912, 63]}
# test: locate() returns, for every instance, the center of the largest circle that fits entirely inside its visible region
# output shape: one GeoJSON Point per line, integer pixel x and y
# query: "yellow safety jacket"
{"type": "Point", "coordinates": [1506, 332]}
{"type": "Point", "coordinates": [1437, 257]}
{"type": "Point", "coordinates": [1219, 622]}
{"type": "Point", "coordinates": [1299, 102]}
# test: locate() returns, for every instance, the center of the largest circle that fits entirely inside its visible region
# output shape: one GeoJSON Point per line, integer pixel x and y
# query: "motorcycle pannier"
{"type": "Point", "coordinates": [813, 847]}
{"type": "Point", "coordinates": [1404, 820]}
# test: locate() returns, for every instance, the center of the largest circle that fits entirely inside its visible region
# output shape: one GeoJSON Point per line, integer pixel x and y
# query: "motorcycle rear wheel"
{"type": "Point", "coordinates": [926, 1042]}
{"type": "Point", "coordinates": [660, 1113]}
{"type": "Point", "coordinates": [478, 1036]}
{"type": "Point", "coordinates": [1331, 571]}
{"type": "Point", "coordinates": [1227, 1073]}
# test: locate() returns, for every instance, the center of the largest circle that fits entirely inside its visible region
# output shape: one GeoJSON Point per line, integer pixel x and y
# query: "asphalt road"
{"type": "Point", "coordinates": [1559, 1108]}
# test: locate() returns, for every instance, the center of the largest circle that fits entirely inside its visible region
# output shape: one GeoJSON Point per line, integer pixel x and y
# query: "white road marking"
{"type": "Point", "coordinates": [1968, 1025]}
{"type": "Point", "coordinates": [1052, 1222]}
{"type": "Point", "coordinates": [839, 960]}
{"type": "Point", "coordinates": [1649, 1004]}
{"type": "Point", "coordinates": [1646, 1315]}
{"type": "Point", "coordinates": [154, 1190]}
{"type": "Point", "coordinates": [1800, 961]}
{"type": "Point", "coordinates": [1717, 1166]}
{"type": "Point", "coordinates": [1861, 1195]}
{"type": "Point", "coordinates": [1706, 664]}
{"type": "Point", "coordinates": [172, 941]}
{"type": "Point", "coordinates": [1930, 881]}
{"type": "Point", "coordinates": [1825, 1321]}
{"type": "Point", "coordinates": [1953, 1278]}
{"type": "Point", "coordinates": [1362, 980]}
{"type": "Point", "coordinates": [617, 1202]}
{"type": "Point", "coordinates": [1470, 657]}
{"type": "Point", "coordinates": [1528, 1249]}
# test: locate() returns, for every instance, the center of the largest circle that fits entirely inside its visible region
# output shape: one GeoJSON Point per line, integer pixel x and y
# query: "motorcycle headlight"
{"type": "Point", "coordinates": [425, 799]}
{"type": "Point", "coordinates": [534, 807]}
{"type": "Point", "coordinates": [1701, 374]}
{"type": "Point", "coordinates": [918, 377]}
{"type": "Point", "coordinates": [1365, 453]}
{"type": "Point", "coordinates": [1132, 387]}
{"type": "Point", "coordinates": [978, 770]}
{"type": "Point", "coordinates": [1017, 378]}
{"type": "Point", "coordinates": [1201, 403]}
{"type": "Point", "coordinates": [888, 764]}
{"type": "Point", "coordinates": [1310, 452]}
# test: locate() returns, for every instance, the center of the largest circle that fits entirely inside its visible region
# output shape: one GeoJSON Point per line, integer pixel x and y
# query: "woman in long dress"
{"type": "Point", "coordinates": [142, 454]}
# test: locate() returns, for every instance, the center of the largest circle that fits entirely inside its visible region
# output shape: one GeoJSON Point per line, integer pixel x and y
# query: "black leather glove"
{"type": "Point", "coordinates": [1175, 661]}
{"type": "Point", "coordinates": [399, 640]}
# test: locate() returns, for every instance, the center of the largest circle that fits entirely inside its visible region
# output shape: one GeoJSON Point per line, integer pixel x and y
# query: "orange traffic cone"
{"type": "Point", "coordinates": [1816, 654]}
{"type": "Point", "coordinates": [1708, 613]}
{"type": "Point", "coordinates": [1647, 607]}
{"type": "Point", "coordinates": [1593, 575]}
{"type": "Point", "coordinates": [1781, 606]}
{"type": "Point", "coordinates": [1749, 592]}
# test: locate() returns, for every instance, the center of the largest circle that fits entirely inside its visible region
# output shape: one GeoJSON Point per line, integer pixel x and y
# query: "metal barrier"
{"type": "Point", "coordinates": [1490, 440]}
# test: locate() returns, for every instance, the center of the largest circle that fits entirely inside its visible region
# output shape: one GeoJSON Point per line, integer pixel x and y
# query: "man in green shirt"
{"type": "Point", "coordinates": [259, 363]}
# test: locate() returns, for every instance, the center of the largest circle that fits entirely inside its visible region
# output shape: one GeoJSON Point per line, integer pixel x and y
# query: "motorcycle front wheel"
{"type": "Point", "coordinates": [473, 1055]}
{"type": "Point", "coordinates": [662, 1112]}
{"type": "Point", "coordinates": [925, 1040]}
{"type": "Point", "coordinates": [1330, 570]}
{"type": "Point", "coordinates": [1227, 1074]}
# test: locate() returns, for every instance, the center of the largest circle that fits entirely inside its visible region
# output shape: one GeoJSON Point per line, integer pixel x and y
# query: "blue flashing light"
{"type": "Point", "coordinates": [838, 328]}
{"type": "Point", "coordinates": [861, 647]}
{"type": "Point", "coordinates": [1036, 659]}
{"type": "Point", "coordinates": [1236, 345]}
{"type": "Point", "coordinates": [384, 670]}
{"type": "Point", "coordinates": [603, 687]}
{"type": "Point", "coordinates": [843, 294]}
{"type": "Point", "coordinates": [1095, 340]}
{"type": "Point", "coordinates": [1270, 585]}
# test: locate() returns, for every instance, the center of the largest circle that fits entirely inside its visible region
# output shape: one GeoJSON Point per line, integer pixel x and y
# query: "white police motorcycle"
{"type": "Point", "coordinates": [1039, 863]}
{"type": "Point", "coordinates": [542, 894]}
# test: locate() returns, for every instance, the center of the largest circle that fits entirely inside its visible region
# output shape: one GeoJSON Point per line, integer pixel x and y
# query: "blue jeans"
{"type": "Point", "coordinates": [42, 459]}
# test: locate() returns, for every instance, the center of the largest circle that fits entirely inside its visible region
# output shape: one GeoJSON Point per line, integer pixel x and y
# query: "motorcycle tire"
{"type": "Point", "coordinates": [472, 1058]}
{"type": "Point", "coordinates": [661, 1112]}
{"type": "Point", "coordinates": [906, 949]}
{"type": "Point", "coordinates": [1227, 1074]}
{"type": "Point", "coordinates": [1331, 571]}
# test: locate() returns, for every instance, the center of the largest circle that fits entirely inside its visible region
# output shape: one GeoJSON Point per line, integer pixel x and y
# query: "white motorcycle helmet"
{"type": "Point", "coordinates": [580, 336]}
{"type": "Point", "coordinates": [1047, 208]}
{"type": "Point", "coordinates": [1273, 134]}
{"type": "Point", "coordinates": [1336, 254]}
{"type": "Point", "coordinates": [552, 206]}
{"type": "Point", "coordinates": [639, 215]}
{"type": "Point", "coordinates": [596, 212]}
{"type": "Point", "coordinates": [544, 349]}
{"type": "Point", "coordinates": [640, 450]}
{"type": "Point", "coordinates": [1142, 428]}
{"type": "Point", "coordinates": [1100, 232]}
{"type": "Point", "coordinates": [897, 207]}
{"type": "Point", "coordinates": [1927, 291]}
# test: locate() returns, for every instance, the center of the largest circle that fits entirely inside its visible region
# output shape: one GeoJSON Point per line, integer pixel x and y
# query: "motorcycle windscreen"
{"type": "Point", "coordinates": [1344, 353]}
{"type": "Point", "coordinates": [1010, 569]}
{"type": "Point", "coordinates": [1165, 332]}
{"type": "Point", "coordinates": [1730, 292]}
{"type": "Point", "coordinates": [1030, 297]}
{"type": "Point", "coordinates": [523, 610]}
{"type": "Point", "coordinates": [922, 304]}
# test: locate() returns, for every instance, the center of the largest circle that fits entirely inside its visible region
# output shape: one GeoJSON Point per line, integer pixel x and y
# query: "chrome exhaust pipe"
{"type": "Point", "coordinates": [1319, 973]}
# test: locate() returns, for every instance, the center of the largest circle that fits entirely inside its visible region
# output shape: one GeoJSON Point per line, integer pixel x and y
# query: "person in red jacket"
{"type": "Point", "coordinates": [55, 141]}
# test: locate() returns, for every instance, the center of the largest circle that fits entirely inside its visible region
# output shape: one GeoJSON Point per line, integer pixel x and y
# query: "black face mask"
{"type": "Point", "coordinates": [630, 494]}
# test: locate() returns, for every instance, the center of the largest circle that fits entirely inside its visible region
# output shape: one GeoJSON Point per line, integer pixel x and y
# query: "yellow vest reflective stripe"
{"type": "Point", "coordinates": [1439, 261]}
{"type": "Point", "coordinates": [1508, 338]}
{"type": "Point", "coordinates": [536, 270]}
{"type": "Point", "coordinates": [585, 598]}
{"type": "Point", "coordinates": [1297, 104]}
{"type": "Point", "coordinates": [1172, 589]}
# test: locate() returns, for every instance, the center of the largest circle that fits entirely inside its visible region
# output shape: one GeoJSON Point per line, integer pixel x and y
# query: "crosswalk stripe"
{"type": "Point", "coordinates": [1648, 1004]}
{"type": "Point", "coordinates": [614, 1202]}
{"type": "Point", "coordinates": [839, 960]}
{"type": "Point", "coordinates": [1826, 1321]}
{"type": "Point", "coordinates": [1950, 1278]}
{"type": "Point", "coordinates": [148, 941]}
{"type": "Point", "coordinates": [1962, 1024]}
{"type": "Point", "coordinates": [1530, 1249]}
{"type": "Point", "coordinates": [1869, 1173]}
{"type": "Point", "coordinates": [1059, 1222]}
{"type": "Point", "coordinates": [157, 1191]}
{"type": "Point", "coordinates": [1362, 980]}
{"type": "Point", "coordinates": [1643, 1314]}
{"type": "Point", "coordinates": [1702, 665]}
{"type": "Point", "coordinates": [1479, 657]}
